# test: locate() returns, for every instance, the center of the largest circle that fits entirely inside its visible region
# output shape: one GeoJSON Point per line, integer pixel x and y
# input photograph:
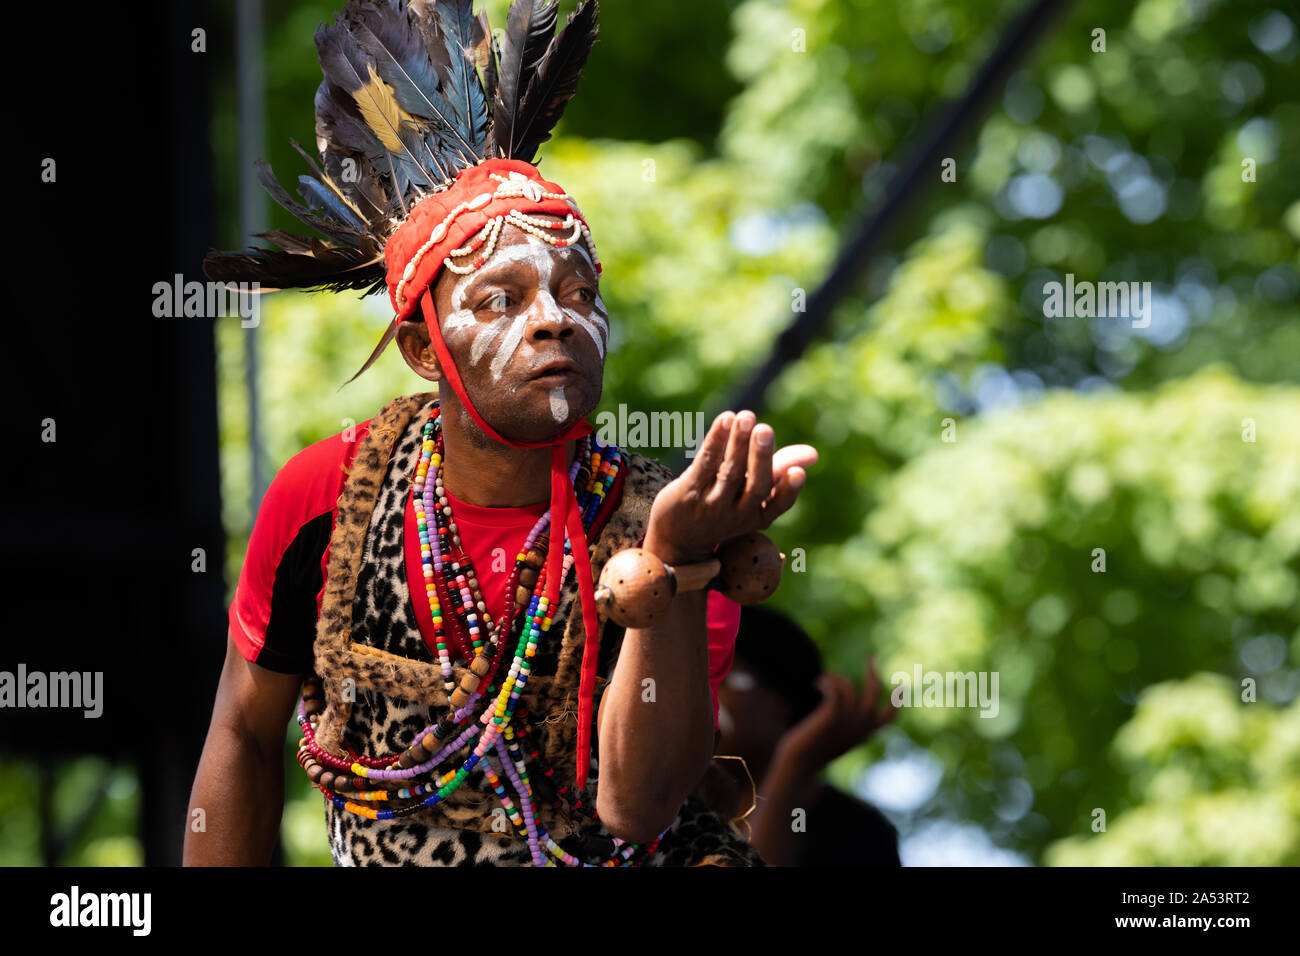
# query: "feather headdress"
{"type": "Point", "coordinates": [412, 95]}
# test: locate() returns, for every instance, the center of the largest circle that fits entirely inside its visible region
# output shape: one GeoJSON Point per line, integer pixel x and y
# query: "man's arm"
{"type": "Point", "coordinates": [653, 753]}
{"type": "Point", "coordinates": [654, 747]}
{"type": "Point", "coordinates": [240, 782]}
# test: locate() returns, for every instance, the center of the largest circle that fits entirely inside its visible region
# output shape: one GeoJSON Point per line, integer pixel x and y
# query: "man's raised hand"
{"type": "Point", "coordinates": [739, 482]}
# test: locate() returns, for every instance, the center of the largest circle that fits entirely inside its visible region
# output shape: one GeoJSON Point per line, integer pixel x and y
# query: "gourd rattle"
{"type": "Point", "coordinates": [635, 587]}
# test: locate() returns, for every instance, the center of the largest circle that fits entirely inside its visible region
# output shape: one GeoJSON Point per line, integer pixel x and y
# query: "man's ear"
{"type": "Point", "coordinates": [417, 350]}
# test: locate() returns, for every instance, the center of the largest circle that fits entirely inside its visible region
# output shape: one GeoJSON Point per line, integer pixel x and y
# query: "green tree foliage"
{"type": "Point", "coordinates": [1085, 550]}
{"type": "Point", "coordinates": [1212, 781]}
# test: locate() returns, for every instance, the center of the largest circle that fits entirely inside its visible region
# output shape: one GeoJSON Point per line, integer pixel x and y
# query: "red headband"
{"type": "Point", "coordinates": [415, 254]}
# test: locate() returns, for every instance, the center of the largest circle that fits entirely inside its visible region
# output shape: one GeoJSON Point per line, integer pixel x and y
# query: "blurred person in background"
{"type": "Point", "coordinates": [786, 720]}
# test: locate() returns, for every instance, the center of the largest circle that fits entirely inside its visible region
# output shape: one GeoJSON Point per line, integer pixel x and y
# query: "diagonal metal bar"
{"type": "Point", "coordinates": [903, 190]}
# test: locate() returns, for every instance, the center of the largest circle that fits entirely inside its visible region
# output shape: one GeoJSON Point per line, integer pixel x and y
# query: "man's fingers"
{"type": "Point", "coordinates": [789, 456]}
{"type": "Point", "coordinates": [758, 473]}
{"type": "Point", "coordinates": [788, 477]}
{"type": "Point", "coordinates": [731, 473]}
{"type": "Point", "coordinates": [709, 456]}
{"type": "Point", "coordinates": [826, 713]}
{"type": "Point", "coordinates": [840, 690]}
{"type": "Point", "coordinates": [783, 496]}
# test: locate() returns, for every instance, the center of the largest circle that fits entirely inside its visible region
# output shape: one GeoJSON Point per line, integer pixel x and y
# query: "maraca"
{"type": "Point", "coordinates": [635, 587]}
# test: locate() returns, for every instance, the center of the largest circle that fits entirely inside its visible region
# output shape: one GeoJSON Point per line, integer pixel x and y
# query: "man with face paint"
{"type": "Point", "coordinates": [528, 333]}
{"type": "Point", "coordinates": [427, 582]}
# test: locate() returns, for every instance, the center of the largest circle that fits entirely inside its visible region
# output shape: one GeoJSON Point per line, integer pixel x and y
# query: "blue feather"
{"type": "Point", "coordinates": [320, 196]}
{"type": "Point", "coordinates": [457, 24]}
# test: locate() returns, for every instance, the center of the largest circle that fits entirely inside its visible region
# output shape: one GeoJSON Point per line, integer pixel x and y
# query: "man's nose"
{"type": "Point", "coordinates": [546, 320]}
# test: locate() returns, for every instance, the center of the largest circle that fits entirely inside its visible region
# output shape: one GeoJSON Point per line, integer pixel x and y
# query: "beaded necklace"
{"type": "Point", "coordinates": [470, 633]}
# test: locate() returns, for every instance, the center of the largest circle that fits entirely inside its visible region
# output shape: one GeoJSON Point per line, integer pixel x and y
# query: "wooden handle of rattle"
{"type": "Point", "coordinates": [636, 588]}
{"type": "Point", "coordinates": [695, 577]}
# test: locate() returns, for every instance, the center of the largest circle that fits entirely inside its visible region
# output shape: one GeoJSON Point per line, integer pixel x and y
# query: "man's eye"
{"type": "Point", "coordinates": [586, 294]}
{"type": "Point", "coordinates": [498, 302]}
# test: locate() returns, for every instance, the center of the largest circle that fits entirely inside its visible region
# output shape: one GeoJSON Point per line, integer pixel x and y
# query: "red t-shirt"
{"type": "Point", "coordinates": [492, 536]}
{"type": "Point", "coordinates": [282, 583]}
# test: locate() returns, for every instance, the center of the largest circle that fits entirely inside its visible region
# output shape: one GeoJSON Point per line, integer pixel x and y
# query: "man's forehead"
{"type": "Point", "coordinates": [522, 247]}
{"type": "Point", "coordinates": [512, 235]}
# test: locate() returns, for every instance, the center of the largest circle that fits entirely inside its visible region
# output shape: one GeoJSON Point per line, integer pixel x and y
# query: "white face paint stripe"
{"type": "Point", "coordinates": [559, 405]}
{"type": "Point", "coordinates": [596, 330]}
{"type": "Point", "coordinates": [514, 335]}
{"type": "Point", "coordinates": [505, 254]}
{"type": "Point", "coordinates": [458, 320]}
{"type": "Point", "coordinates": [585, 254]}
{"type": "Point", "coordinates": [534, 250]}
{"type": "Point", "coordinates": [487, 335]}
{"type": "Point", "coordinates": [458, 293]}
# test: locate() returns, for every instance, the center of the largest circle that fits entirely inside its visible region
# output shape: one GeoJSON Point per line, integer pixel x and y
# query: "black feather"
{"type": "Point", "coordinates": [286, 240]}
{"type": "Point", "coordinates": [391, 39]}
{"type": "Point", "coordinates": [332, 269]}
{"type": "Point", "coordinates": [488, 58]}
{"type": "Point", "coordinates": [460, 31]}
{"type": "Point", "coordinates": [403, 62]}
{"type": "Point", "coordinates": [390, 333]}
{"type": "Point", "coordinates": [529, 30]}
{"type": "Point", "coordinates": [339, 232]}
{"type": "Point", "coordinates": [321, 197]}
{"type": "Point", "coordinates": [356, 175]}
{"type": "Point", "coordinates": [347, 68]}
{"type": "Point", "coordinates": [339, 124]}
{"type": "Point", "coordinates": [554, 83]}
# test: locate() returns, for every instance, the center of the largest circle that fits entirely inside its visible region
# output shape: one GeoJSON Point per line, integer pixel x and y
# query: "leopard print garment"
{"type": "Point", "coordinates": [383, 617]}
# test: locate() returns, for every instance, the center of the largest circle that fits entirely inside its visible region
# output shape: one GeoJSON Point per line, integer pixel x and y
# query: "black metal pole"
{"type": "Point", "coordinates": [183, 628]}
{"type": "Point", "coordinates": [250, 84]}
{"type": "Point", "coordinates": [903, 190]}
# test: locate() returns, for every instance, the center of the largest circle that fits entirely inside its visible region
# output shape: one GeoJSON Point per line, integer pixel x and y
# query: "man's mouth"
{"type": "Point", "coordinates": [556, 374]}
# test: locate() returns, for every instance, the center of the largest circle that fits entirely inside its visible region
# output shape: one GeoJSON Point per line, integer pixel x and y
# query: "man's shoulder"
{"type": "Point", "coordinates": [644, 476]}
{"type": "Point", "coordinates": [330, 454]}
{"type": "Point", "coordinates": [310, 481]}
{"type": "Point", "coordinates": [642, 479]}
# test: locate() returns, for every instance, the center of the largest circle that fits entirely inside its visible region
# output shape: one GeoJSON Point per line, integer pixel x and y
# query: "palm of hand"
{"type": "Point", "coordinates": [736, 484]}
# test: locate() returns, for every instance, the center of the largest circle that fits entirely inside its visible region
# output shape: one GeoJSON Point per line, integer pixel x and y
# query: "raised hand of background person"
{"type": "Point", "coordinates": [844, 719]}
